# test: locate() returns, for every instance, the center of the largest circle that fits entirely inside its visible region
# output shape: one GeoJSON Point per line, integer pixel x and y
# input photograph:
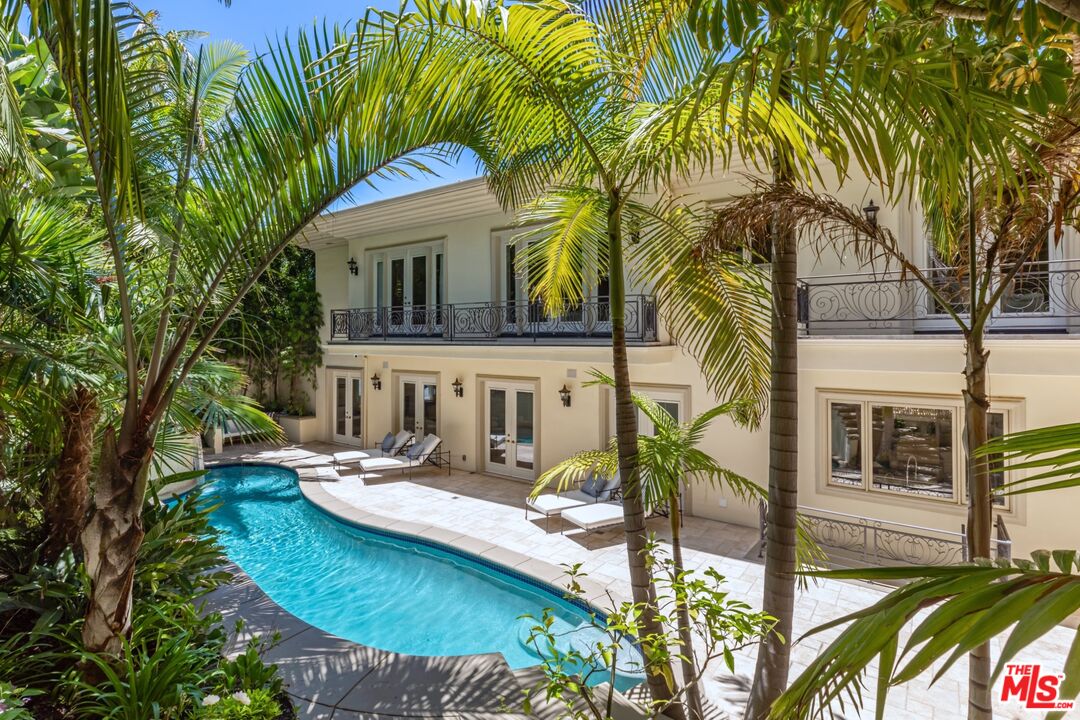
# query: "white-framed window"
{"type": "Point", "coordinates": [674, 400]}
{"type": "Point", "coordinates": [903, 446]}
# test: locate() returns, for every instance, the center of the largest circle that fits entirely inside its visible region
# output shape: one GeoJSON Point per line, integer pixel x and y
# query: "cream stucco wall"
{"type": "Point", "coordinates": [1039, 376]}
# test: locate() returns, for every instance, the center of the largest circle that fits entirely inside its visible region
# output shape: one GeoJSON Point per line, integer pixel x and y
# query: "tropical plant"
{"type": "Point", "coordinates": [175, 655]}
{"type": "Point", "coordinates": [972, 603]}
{"type": "Point", "coordinates": [205, 167]}
{"type": "Point", "coordinates": [915, 91]}
{"type": "Point", "coordinates": [275, 331]}
{"type": "Point", "coordinates": [13, 701]}
{"type": "Point", "coordinates": [254, 705]}
{"type": "Point", "coordinates": [157, 681]}
{"type": "Point", "coordinates": [668, 461]}
{"type": "Point", "coordinates": [574, 676]}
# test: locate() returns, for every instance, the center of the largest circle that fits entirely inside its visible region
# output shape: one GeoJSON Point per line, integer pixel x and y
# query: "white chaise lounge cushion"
{"type": "Point", "coordinates": [349, 456]}
{"type": "Point", "coordinates": [552, 504]}
{"type": "Point", "coordinates": [595, 516]}
{"type": "Point", "coordinates": [419, 456]}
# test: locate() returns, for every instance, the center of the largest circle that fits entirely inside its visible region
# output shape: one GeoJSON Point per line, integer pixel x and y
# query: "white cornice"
{"type": "Point", "coordinates": [455, 201]}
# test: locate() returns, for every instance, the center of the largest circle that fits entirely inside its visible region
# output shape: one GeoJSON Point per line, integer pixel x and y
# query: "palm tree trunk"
{"type": "Point", "coordinates": [65, 509]}
{"type": "Point", "coordinates": [682, 611]}
{"type": "Point", "coordinates": [111, 540]}
{"type": "Point", "coordinates": [644, 592]}
{"type": "Point", "coordinates": [774, 654]}
{"type": "Point", "coordinates": [980, 508]}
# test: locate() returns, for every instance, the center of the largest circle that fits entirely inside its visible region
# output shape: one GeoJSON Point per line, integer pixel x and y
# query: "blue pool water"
{"type": "Point", "coordinates": [380, 591]}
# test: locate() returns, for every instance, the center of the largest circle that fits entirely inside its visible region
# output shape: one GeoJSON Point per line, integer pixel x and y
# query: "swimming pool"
{"type": "Point", "coordinates": [379, 590]}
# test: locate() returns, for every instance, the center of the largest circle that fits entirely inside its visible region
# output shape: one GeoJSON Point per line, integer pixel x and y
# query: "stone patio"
{"type": "Point", "coordinates": [473, 511]}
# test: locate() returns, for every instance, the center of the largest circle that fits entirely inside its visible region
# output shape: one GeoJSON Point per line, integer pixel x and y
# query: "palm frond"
{"type": "Point", "coordinates": [1050, 456]}
{"type": "Point", "coordinates": [971, 605]}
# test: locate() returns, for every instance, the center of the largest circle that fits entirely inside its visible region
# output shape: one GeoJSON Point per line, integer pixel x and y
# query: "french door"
{"type": "Point", "coordinates": [524, 314]}
{"type": "Point", "coordinates": [510, 417]}
{"type": "Point", "coordinates": [408, 288]}
{"type": "Point", "coordinates": [1032, 299]}
{"type": "Point", "coordinates": [418, 405]}
{"type": "Point", "coordinates": [348, 401]}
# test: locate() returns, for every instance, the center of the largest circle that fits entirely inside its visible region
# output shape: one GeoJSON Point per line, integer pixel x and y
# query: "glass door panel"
{"type": "Point", "coordinates": [340, 407]}
{"type": "Point", "coordinates": [497, 435]}
{"type": "Point", "coordinates": [408, 406]}
{"type": "Point", "coordinates": [524, 443]}
{"type": "Point", "coordinates": [397, 291]}
{"type": "Point", "coordinates": [347, 388]}
{"type": "Point", "coordinates": [430, 409]}
{"type": "Point", "coordinates": [357, 429]}
{"type": "Point", "coordinates": [418, 291]}
{"type": "Point", "coordinates": [418, 406]}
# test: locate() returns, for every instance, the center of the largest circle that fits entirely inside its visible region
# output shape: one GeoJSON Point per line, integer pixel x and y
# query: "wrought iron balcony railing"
{"type": "Point", "coordinates": [1044, 297]}
{"type": "Point", "coordinates": [493, 322]}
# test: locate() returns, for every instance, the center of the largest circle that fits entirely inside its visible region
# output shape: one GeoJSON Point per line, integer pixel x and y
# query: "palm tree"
{"type": "Point", "coordinates": [204, 168]}
{"type": "Point", "coordinates": [887, 82]}
{"type": "Point", "coordinates": [668, 461]}
{"type": "Point", "coordinates": [584, 110]}
{"type": "Point", "coordinates": [995, 237]}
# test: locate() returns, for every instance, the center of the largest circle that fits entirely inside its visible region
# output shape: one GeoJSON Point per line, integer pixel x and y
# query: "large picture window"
{"type": "Point", "coordinates": [908, 448]}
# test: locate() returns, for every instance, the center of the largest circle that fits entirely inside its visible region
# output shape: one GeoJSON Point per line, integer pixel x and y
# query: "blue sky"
{"type": "Point", "coordinates": [251, 22]}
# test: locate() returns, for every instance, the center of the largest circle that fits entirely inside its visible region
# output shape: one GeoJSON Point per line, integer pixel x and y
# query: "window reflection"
{"type": "Point", "coordinates": [845, 442]}
{"type": "Point", "coordinates": [912, 450]}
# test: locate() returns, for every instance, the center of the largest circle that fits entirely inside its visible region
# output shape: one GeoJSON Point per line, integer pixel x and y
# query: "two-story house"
{"type": "Point", "coordinates": [429, 328]}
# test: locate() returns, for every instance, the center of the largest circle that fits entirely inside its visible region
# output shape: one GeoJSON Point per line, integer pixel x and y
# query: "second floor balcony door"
{"type": "Point", "coordinates": [523, 314]}
{"type": "Point", "coordinates": [1037, 297]}
{"type": "Point", "coordinates": [408, 290]}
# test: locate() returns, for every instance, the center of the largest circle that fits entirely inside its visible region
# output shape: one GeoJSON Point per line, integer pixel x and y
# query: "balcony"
{"type": "Point", "coordinates": [489, 322]}
{"type": "Point", "coordinates": [1044, 298]}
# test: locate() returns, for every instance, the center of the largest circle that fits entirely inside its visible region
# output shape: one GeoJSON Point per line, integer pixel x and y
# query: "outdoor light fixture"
{"type": "Point", "coordinates": [376, 383]}
{"type": "Point", "coordinates": [871, 211]}
{"type": "Point", "coordinates": [353, 269]}
{"type": "Point", "coordinates": [565, 395]}
{"type": "Point", "coordinates": [459, 389]}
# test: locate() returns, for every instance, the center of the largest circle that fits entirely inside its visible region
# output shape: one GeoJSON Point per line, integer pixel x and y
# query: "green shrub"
{"type": "Point", "coordinates": [174, 656]}
{"type": "Point", "coordinates": [180, 555]}
{"type": "Point", "coordinates": [13, 702]}
{"type": "Point", "coordinates": [156, 681]}
{"type": "Point", "coordinates": [248, 670]}
{"type": "Point", "coordinates": [242, 705]}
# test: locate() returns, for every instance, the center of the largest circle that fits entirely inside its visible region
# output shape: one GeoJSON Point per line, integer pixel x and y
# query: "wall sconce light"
{"type": "Point", "coordinates": [353, 268]}
{"type": "Point", "coordinates": [871, 211]}
{"type": "Point", "coordinates": [564, 394]}
{"type": "Point", "coordinates": [376, 383]}
{"type": "Point", "coordinates": [459, 389]}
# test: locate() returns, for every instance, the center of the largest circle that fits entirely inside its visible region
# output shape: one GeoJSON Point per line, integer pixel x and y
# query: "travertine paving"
{"type": "Point", "coordinates": [491, 510]}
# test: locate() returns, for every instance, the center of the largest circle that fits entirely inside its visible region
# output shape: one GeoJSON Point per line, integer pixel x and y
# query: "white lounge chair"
{"type": "Point", "coordinates": [595, 489]}
{"type": "Point", "coordinates": [598, 516]}
{"type": "Point", "coordinates": [391, 446]}
{"type": "Point", "coordinates": [416, 456]}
